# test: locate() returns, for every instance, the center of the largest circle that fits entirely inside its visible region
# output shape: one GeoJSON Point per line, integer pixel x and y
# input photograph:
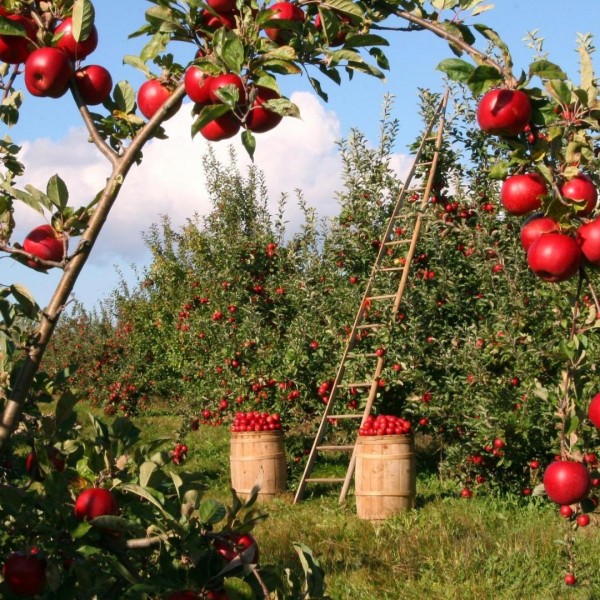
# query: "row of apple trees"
{"type": "Point", "coordinates": [261, 323]}
{"type": "Point", "coordinates": [235, 313]}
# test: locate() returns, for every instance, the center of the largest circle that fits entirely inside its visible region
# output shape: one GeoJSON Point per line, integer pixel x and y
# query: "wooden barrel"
{"type": "Point", "coordinates": [258, 457]}
{"type": "Point", "coordinates": [385, 476]}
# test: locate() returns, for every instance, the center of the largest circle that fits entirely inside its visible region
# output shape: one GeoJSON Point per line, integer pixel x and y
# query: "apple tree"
{"type": "Point", "coordinates": [236, 53]}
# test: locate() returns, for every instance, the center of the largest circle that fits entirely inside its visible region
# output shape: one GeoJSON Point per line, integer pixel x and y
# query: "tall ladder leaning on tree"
{"type": "Point", "coordinates": [424, 165]}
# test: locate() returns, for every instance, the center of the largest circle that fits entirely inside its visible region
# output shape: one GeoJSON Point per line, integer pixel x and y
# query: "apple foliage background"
{"type": "Point", "coordinates": [479, 354]}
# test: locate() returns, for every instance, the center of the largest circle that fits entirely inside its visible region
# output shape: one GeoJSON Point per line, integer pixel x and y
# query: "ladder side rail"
{"type": "Point", "coordinates": [367, 412]}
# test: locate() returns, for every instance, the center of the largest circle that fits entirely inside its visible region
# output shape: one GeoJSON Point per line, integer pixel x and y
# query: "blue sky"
{"type": "Point", "coordinates": [170, 182]}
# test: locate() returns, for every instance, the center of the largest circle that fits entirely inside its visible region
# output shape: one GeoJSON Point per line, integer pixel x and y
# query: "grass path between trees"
{"type": "Point", "coordinates": [447, 548]}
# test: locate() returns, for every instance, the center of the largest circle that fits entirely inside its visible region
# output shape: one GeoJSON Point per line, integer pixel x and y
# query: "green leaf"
{"type": "Point", "coordinates": [237, 589]}
{"type": "Point", "coordinates": [493, 37]}
{"type": "Point", "coordinates": [359, 40]}
{"type": "Point", "coordinates": [137, 63]}
{"type": "Point", "coordinates": [124, 97]}
{"type": "Point", "coordinates": [314, 574]}
{"type": "Point", "coordinates": [249, 142]}
{"type": "Point", "coordinates": [586, 69]}
{"type": "Point", "coordinates": [456, 69]}
{"type": "Point", "coordinates": [177, 482]}
{"type": "Point", "coordinates": [559, 90]}
{"type": "Point", "coordinates": [57, 192]}
{"type": "Point", "coordinates": [147, 468]}
{"type": "Point", "coordinates": [545, 69]}
{"type": "Point", "coordinates": [80, 530]}
{"type": "Point", "coordinates": [64, 406]}
{"type": "Point", "coordinates": [83, 19]}
{"type": "Point", "coordinates": [26, 302]}
{"type": "Point", "coordinates": [229, 48]}
{"type": "Point", "coordinates": [346, 7]}
{"type": "Point", "coordinates": [211, 512]}
{"type": "Point", "coordinates": [207, 114]}
{"type": "Point", "coordinates": [146, 495]}
{"type": "Point", "coordinates": [482, 79]}
{"type": "Point", "coordinates": [499, 170]}
{"type": "Point", "coordinates": [571, 424]}
{"type": "Point", "coordinates": [8, 27]}
{"type": "Point", "coordinates": [157, 44]}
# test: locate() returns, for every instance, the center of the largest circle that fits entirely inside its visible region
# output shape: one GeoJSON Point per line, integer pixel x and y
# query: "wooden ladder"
{"type": "Point", "coordinates": [425, 163]}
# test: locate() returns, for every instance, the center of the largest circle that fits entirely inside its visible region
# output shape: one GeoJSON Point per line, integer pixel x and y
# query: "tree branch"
{"type": "Point", "coordinates": [478, 56]}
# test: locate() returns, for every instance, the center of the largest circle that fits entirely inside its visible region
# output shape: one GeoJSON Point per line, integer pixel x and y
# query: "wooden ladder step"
{"type": "Point", "coordinates": [388, 269]}
{"type": "Point", "coordinates": [396, 242]}
{"type": "Point", "coordinates": [325, 480]}
{"type": "Point", "coordinates": [360, 384]}
{"type": "Point", "coordinates": [335, 448]}
{"type": "Point", "coordinates": [382, 297]}
{"type": "Point", "coordinates": [361, 355]}
{"type": "Point", "coordinates": [371, 326]}
{"type": "Point", "coordinates": [345, 416]}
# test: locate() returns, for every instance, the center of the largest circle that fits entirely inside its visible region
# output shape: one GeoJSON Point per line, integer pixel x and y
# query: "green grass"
{"type": "Point", "coordinates": [447, 548]}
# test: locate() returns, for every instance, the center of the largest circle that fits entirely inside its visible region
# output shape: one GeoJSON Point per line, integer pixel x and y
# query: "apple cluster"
{"type": "Point", "coordinates": [179, 453]}
{"type": "Point", "coordinates": [50, 68]}
{"type": "Point", "coordinates": [255, 421]}
{"type": "Point", "coordinates": [555, 250]}
{"type": "Point", "coordinates": [385, 425]}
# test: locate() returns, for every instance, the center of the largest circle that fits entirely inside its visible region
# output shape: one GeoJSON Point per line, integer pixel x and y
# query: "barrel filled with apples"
{"type": "Point", "coordinates": [257, 455]}
{"type": "Point", "coordinates": [385, 474]}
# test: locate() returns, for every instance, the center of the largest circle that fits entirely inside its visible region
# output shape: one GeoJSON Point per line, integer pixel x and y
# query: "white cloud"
{"type": "Point", "coordinates": [298, 154]}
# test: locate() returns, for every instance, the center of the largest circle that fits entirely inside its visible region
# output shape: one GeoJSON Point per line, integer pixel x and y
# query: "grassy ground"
{"type": "Point", "coordinates": [448, 548]}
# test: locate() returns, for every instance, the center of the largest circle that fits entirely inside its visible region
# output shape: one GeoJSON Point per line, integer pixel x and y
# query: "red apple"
{"type": "Point", "coordinates": [75, 49]}
{"type": "Point", "coordinates": [570, 579]}
{"type": "Point", "coordinates": [25, 574]}
{"type": "Point", "coordinates": [580, 188]}
{"type": "Point", "coordinates": [566, 482]}
{"type": "Point", "coordinates": [504, 112]}
{"type": "Point", "coordinates": [94, 84]}
{"type": "Point", "coordinates": [594, 410]}
{"type": "Point", "coordinates": [197, 85]}
{"type": "Point", "coordinates": [222, 128]}
{"type": "Point", "coordinates": [95, 502]}
{"type": "Point", "coordinates": [47, 72]}
{"type": "Point", "coordinates": [152, 95]}
{"type": "Point", "coordinates": [217, 595]}
{"type": "Point", "coordinates": [214, 21]}
{"type": "Point", "coordinates": [184, 595]}
{"type": "Point", "coordinates": [536, 226]}
{"type": "Point", "coordinates": [15, 49]}
{"type": "Point", "coordinates": [260, 119]}
{"type": "Point", "coordinates": [221, 6]}
{"type": "Point", "coordinates": [286, 12]}
{"type": "Point", "coordinates": [46, 243]}
{"type": "Point", "coordinates": [232, 544]}
{"type": "Point", "coordinates": [223, 80]}
{"type": "Point", "coordinates": [554, 257]}
{"type": "Point", "coordinates": [54, 456]}
{"type": "Point", "coordinates": [522, 194]}
{"type": "Point", "coordinates": [588, 238]}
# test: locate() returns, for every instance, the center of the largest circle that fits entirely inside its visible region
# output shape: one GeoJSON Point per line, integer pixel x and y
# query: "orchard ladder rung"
{"type": "Point", "coordinates": [396, 242]}
{"type": "Point", "coordinates": [345, 416]}
{"type": "Point", "coordinates": [348, 448]}
{"type": "Point", "coordinates": [371, 326]}
{"type": "Point", "coordinates": [382, 297]}
{"type": "Point", "coordinates": [351, 385]}
{"type": "Point", "coordinates": [391, 269]}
